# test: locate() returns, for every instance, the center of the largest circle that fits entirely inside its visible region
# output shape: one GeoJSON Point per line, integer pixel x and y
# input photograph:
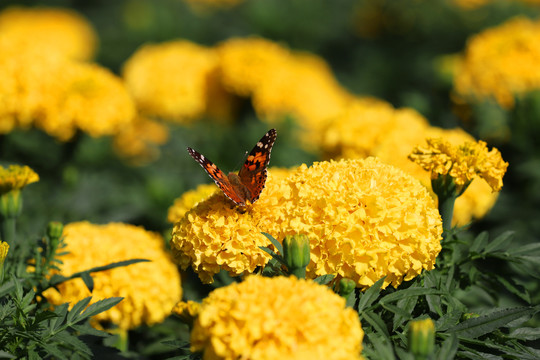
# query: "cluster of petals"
{"type": "Point", "coordinates": [150, 289]}
{"type": "Point", "coordinates": [372, 127]}
{"type": "Point", "coordinates": [15, 177]}
{"type": "Point", "coordinates": [276, 318]}
{"type": "Point", "coordinates": [364, 219]}
{"type": "Point", "coordinates": [463, 162]}
{"type": "Point", "coordinates": [188, 200]}
{"type": "Point", "coordinates": [501, 62]}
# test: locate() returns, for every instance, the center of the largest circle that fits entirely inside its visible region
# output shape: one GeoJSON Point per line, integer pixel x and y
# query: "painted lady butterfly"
{"type": "Point", "coordinates": [245, 187]}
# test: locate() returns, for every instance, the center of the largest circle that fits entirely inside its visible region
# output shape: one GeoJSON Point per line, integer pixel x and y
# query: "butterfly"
{"type": "Point", "coordinates": [245, 187]}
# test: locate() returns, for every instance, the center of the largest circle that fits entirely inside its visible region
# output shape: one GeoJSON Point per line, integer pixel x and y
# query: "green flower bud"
{"type": "Point", "coordinates": [55, 230]}
{"type": "Point", "coordinates": [421, 338]}
{"type": "Point", "coordinates": [346, 287]}
{"type": "Point", "coordinates": [296, 254]}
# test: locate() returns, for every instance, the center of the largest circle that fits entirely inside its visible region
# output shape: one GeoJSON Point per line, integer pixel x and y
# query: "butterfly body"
{"type": "Point", "coordinates": [245, 187]}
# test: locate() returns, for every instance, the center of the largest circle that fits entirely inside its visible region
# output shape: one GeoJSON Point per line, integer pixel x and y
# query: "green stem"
{"type": "Point", "coordinates": [7, 230]}
{"type": "Point", "coordinates": [446, 209]}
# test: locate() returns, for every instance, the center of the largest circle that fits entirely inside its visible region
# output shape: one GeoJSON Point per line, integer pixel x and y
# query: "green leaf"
{"type": "Point", "coordinates": [514, 288]}
{"type": "Point", "coordinates": [448, 349]}
{"type": "Point", "coordinates": [53, 350]}
{"type": "Point", "coordinates": [7, 287]}
{"type": "Point", "coordinates": [60, 311]}
{"type": "Point", "coordinates": [407, 305]}
{"type": "Point", "coordinates": [77, 309]}
{"type": "Point", "coordinates": [402, 294]}
{"type": "Point", "coordinates": [397, 311]}
{"type": "Point", "coordinates": [274, 255]}
{"type": "Point", "coordinates": [274, 242]}
{"type": "Point", "coordinates": [479, 243]}
{"type": "Point", "coordinates": [100, 306]}
{"type": "Point", "coordinates": [500, 242]}
{"type": "Point", "coordinates": [87, 329]}
{"type": "Point", "coordinates": [382, 348]}
{"type": "Point", "coordinates": [376, 322]}
{"type": "Point", "coordinates": [475, 327]}
{"type": "Point", "coordinates": [370, 295]}
{"type": "Point", "coordinates": [324, 279]}
{"type": "Point", "coordinates": [65, 338]}
{"type": "Point", "coordinates": [526, 249]}
{"type": "Point", "coordinates": [525, 333]}
{"type": "Point", "coordinates": [88, 281]}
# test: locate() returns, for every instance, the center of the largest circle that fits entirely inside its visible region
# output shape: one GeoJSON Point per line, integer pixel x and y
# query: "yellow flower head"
{"type": "Point", "coordinates": [4, 248]}
{"type": "Point", "coordinates": [364, 219]}
{"type": "Point", "coordinates": [187, 311]}
{"type": "Point", "coordinates": [501, 62]}
{"type": "Point", "coordinates": [171, 80]}
{"type": "Point", "coordinates": [150, 289]}
{"type": "Point", "coordinates": [15, 177]}
{"type": "Point", "coordinates": [139, 141]}
{"type": "Point", "coordinates": [188, 200]}
{"type": "Point", "coordinates": [276, 318]}
{"type": "Point", "coordinates": [463, 163]}
{"type": "Point", "coordinates": [51, 29]}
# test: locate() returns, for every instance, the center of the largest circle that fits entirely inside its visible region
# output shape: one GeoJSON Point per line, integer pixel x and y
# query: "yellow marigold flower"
{"type": "Point", "coordinates": [4, 248]}
{"type": "Point", "coordinates": [188, 200]}
{"type": "Point", "coordinates": [171, 80]}
{"type": "Point", "coordinates": [364, 219]}
{"type": "Point", "coordinates": [276, 318]}
{"type": "Point", "coordinates": [150, 289]}
{"type": "Point", "coordinates": [187, 311]}
{"type": "Point", "coordinates": [51, 29]}
{"type": "Point", "coordinates": [501, 62]}
{"type": "Point", "coordinates": [306, 89]}
{"type": "Point", "coordinates": [245, 64]}
{"type": "Point", "coordinates": [15, 177]}
{"type": "Point", "coordinates": [463, 163]}
{"type": "Point", "coordinates": [139, 141]}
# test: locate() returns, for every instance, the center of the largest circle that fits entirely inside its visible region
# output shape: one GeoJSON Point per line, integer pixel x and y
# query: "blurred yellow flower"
{"type": "Point", "coordinates": [51, 29]}
{"type": "Point", "coordinates": [187, 311]}
{"type": "Point", "coordinates": [15, 177]}
{"type": "Point", "coordinates": [150, 289]}
{"type": "Point", "coordinates": [188, 200]}
{"type": "Point", "coordinates": [138, 142]}
{"type": "Point", "coordinates": [365, 220]}
{"type": "Point", "coordinates": [59, 95]}
{"type": "Point", "coordinates": [276, 318]}
{"type": "Point", "coordinates": [173, 80]}
{"type": "Point", "coordinates": [4, 248]}
{"type": "Point", "coordinates": [463, 163]}
{"type": "Point", "coordinates": [501, 62]}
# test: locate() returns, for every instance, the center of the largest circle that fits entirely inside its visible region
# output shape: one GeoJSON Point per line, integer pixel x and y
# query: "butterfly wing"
{"type": "Point", "coordinates": [253, 172]}
{"type": "Point", "coordinates": [217, 175]}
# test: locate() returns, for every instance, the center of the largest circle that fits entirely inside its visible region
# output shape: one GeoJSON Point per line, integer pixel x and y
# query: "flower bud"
{"type": "Point", "coordinates": [55, 230]}
{"type": "Point", "coordinates": [346, 287]}
{"type": "Point", "coordinates": [4, 247]}
{"type": "Point", "coordinates": [421, 337]}
{"type": "Point", "coordinates": [296, 254]}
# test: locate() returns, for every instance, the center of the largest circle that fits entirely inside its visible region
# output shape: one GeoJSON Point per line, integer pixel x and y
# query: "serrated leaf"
{"type": "Point", "coordinates": [43, 316]}
{"type": "Point", "coordinates": [402, 294]}
{"type": "Point", "coordinates": [479, 243]}
{"type": "Point", "coordinates": [324, 279]}
{"type": "Point", "coordinates": [500, 242]}
{"type": "Point", "coordinates": [87, 329]}
{"type": "Point", "coordinates": [396, 310]}
{"type": "Point", "coordinates": [88, 281]}
{"type": "Point", "coordinates": [514, 288]}
{"type": "Point", "coordinates": [53, 350]}
{"type": "Point", "coordinates": [376, 322]}
{"type": "Point", "coordinates": [475, 327]}
{"type": "Point", "coordinates": [274, 242]}
{"type": "Point", "coordinates": [64, 338]}
{"type": "Point", "coordinates": [275, 256]}
{"type": "Point", "coordinates": [370, 295]}
{"type": "Point", "coordinates": [526, 249]}
{"type": "Point", "coordinates": [61, 311]}
{"type": "Point", "coordinates": [7, 287]}
{"type": "Point", "coordinates": [178, 344]}
{"type": "Point", "coordinates": [448, 349]}
{"type": "Point", "coordinates": [382, 347]}
{"type": "Point", "coordinates": [100, 306]}
{"type": "Point", "coordinates": [525, 333]}
{"type": "Point", "coordinates": [77, 309]}
{"type": "Point", "coordinates": [407, 305]}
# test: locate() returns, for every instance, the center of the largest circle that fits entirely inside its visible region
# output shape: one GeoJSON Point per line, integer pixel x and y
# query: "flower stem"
{"type": "Point", "coordinates": [299, 272]}
{"type": "Point", "coordinates": [446, 209]}
{"type": "Point", "coordinates": [7, 230]}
